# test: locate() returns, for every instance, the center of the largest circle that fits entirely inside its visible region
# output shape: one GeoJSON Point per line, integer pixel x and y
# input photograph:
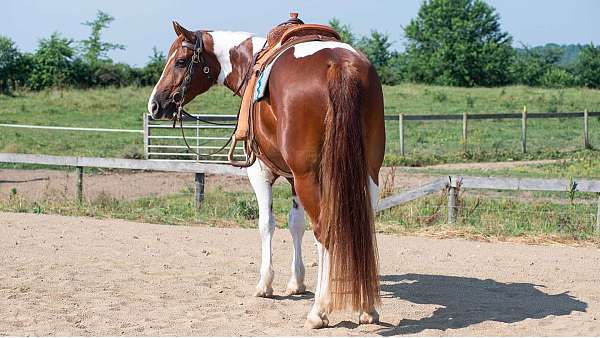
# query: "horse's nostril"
{"type": "Point", "coordinates": [154, 107]}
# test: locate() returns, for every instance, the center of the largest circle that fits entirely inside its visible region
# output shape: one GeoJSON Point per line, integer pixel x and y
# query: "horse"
{"type": "Point", "coordinates": [322, 127]}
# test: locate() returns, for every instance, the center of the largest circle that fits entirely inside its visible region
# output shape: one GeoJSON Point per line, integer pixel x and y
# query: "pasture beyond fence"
{"type": "Point", "coordinates": [465, 117]}
{"type": "Point", "coordinates": [169, 143]}
{"type": "Point", "coordinates": [162, 142]}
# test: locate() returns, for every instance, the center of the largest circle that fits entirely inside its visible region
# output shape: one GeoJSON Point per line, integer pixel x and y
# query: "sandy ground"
{"type": "Point", "coordinates": [81, 276]}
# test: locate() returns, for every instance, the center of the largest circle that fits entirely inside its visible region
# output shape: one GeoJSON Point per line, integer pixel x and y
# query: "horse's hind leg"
{"type": "Point", "coordinates": [262, 180]}
{"type": "Point", "coordinates": [371, 316]}
{"type": "Point", "coordinates": [308, 192]}
{"type": "Point", "coordinates": [317, 317]}
{"type": "Point", "coordinates": [296, 226]}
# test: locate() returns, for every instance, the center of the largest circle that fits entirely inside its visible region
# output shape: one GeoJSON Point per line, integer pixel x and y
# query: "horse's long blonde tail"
{"type": "Point", "coordinates": [346, 215]}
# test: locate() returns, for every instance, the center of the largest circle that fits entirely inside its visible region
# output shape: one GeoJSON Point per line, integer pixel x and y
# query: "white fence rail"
{"type": "Point", "coordinates": [199, 169]}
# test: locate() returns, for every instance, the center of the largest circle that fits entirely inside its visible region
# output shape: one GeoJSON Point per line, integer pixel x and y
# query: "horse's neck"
{"type": "Point", "coordinates": [233, 70]}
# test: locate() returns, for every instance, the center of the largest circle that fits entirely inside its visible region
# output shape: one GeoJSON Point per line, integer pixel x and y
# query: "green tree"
{"type": "Point", "coordinates": [93, 48]}
{"type": "Point", "coordinates": [458, 42]}
{"type": "Point", "coordinates": [377, 48]}
{"type": "Point", "coordinates": [587, 66]}
{"type": "Point", "coordinates": [10, 58]}
{"type": "Point", "coordinates": [52, 62]}
{"type": "Point", "coordinates": [344, 30]}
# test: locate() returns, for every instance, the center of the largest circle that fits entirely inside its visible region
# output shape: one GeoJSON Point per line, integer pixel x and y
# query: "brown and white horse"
{"type": "Point", "coordinates": [322, 122]}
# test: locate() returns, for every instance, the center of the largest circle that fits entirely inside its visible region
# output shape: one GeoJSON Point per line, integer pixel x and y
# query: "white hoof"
{"type": "Point", "coordinates": [293, 288]}
{"type": "Point", "coordinates": [264, 292]}
{"type": "Point", "coordinates": [316, 321]}
{"type": "Point", "coordinates": [368, 318]}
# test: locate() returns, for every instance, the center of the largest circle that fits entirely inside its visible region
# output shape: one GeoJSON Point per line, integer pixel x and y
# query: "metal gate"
{"type": "Point", "coordinates": [163, 142]}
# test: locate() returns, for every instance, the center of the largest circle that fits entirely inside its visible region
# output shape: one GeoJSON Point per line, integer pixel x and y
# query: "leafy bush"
{"type": "Point", "coordinates": [587, 66]}
{"type": "Point", "coordinates": [52, 62]}
{"type": "Point", "coordinates": [529, 66]}
{"type": "Point", "coordinates": [557, 77]}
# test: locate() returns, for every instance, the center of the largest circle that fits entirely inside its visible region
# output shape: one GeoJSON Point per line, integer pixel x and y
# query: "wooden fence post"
{"type": "Point", "coordinates": [586, 135]}
{"type": "Point", "coordinates": [464, 125]}
{"type": "Point", "coordinates": [80, 184]}
{"type": "Point", "coordinates": [199, 198]}
{"type": "Point", "coordinates": [524, 130]}
{"type": "Point", "coordinates": [598, 215]}
{"type": "Point", "coordinates": [401, 130]}
{"type": "Point", "coordinates": [452, 203]}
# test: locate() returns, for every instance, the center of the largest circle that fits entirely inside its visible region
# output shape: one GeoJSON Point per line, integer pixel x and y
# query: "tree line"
{"type": "Point", "coordinates": [461, 43]}
{"type": "Point", "coordinates": [449, 42]}
{"type": "Point", "coordinates": [62, 62]}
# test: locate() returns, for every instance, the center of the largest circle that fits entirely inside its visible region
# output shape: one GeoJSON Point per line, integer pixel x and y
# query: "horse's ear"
{"type": "Point", "coordinates": [180, 30]}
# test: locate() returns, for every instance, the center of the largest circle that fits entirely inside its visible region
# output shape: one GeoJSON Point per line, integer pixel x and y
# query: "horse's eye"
{"type": "Point", "coordinates": [181, 62]}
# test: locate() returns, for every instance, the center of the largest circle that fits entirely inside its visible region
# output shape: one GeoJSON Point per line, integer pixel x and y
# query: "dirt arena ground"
{"type": "Point", "coordinates": [81, 276]}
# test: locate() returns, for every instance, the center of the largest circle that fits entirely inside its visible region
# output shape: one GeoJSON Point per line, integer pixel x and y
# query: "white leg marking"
{"type": "Point", "coordinates": [374, 193]}
{"type": "Point", "coordinates": [160, 79]}
{"type": "Point", "coordinates": [261, 179]}
{"type": "Point", "coordinates": [317, 318]}
{"type": "Point", "coordinates": [296, 225]}
{"type": "Point", "coordinates": [309, 48]}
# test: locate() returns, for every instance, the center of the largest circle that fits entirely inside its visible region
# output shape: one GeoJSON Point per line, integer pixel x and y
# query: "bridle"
{"type": "Point", "coordinates": [178, 96]}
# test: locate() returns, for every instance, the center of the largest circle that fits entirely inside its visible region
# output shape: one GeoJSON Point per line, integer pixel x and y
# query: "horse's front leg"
{"type": "Point", "coordinates": [262, 180]}
{"type": "Point", "coordinates": [296, 225]}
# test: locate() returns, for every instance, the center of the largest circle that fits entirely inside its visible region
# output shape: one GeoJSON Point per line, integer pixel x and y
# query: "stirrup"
{"type": "Point", "coordinates": [242, 164]}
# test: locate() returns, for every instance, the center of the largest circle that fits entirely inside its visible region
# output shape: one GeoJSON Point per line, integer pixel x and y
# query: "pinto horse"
{"type": "Point", "coordinates": [322, 123]}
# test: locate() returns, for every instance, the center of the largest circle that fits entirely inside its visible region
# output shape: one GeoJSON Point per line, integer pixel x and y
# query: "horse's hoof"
{"type": "Point", "coordinates": [314, 321]}
{"type": "Point", "coordinates": [295, 289]}
{"type": "Point", "coordinates": [369, 318]}
{"type": "Point", "coordinates": [264, 292]}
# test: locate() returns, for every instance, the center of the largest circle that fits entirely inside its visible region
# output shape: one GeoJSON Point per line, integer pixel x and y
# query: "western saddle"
{"type": "Point", "coordinates": [279, 39]}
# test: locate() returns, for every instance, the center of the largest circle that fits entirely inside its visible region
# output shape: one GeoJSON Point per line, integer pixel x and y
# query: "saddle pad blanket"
{"type": "Point", "coordinates": [263, 78]}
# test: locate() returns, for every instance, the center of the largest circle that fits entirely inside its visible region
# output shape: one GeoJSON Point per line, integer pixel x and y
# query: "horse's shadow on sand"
{"type": "Point", "coordinates": [466, 301]}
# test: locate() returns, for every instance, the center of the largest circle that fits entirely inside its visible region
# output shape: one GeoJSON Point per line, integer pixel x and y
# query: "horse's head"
{"type": "Point", "coordinates": [190, 70]}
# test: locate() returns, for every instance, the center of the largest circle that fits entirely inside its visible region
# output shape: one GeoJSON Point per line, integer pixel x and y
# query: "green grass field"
{"type": "Point", "coordinates": [426, 142]}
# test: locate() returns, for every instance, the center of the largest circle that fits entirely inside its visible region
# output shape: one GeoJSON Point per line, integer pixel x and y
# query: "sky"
{"type": "Point", "coordinates": [141, 25]}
